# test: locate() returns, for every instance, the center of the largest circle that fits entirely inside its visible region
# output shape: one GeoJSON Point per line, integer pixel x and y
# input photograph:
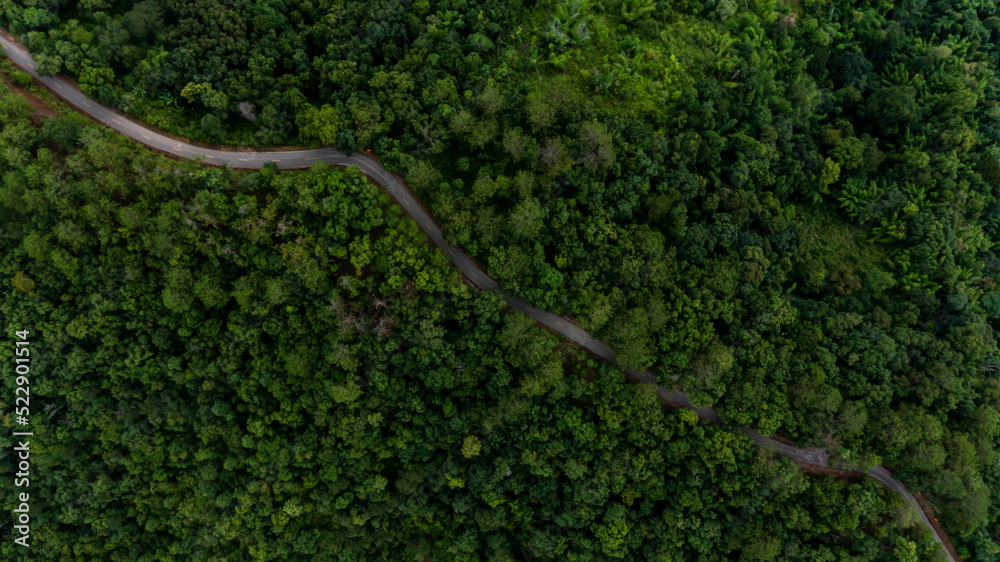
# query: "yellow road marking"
{"type": "Point", "coordinates": [560, 323]}
{"type": "Point", "coordinates": [85, 103]}
{"type": "Point", "coordinates": [428, 225]}
{"type": "Point", "coordinates": [207, 156]}
{"type": "Point", "coordinates": [275, 160]}
{"type": "Point", "coordinates": [145, 137]}
{"type": "Point", "coordinates": [314, 158]}
{"type": "Point", "coordinates": [243, 159]}
{"type": "Point", "coordinates": [115, 121]}
{"type": "Point", "coordinates": [58, 85]}
{"type": "Point", "coordinates": [407, 202]}
{"type": "Point", "coordinates": [177, 149]}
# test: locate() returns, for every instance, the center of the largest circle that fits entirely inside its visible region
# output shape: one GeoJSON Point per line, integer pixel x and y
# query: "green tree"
{"type": "Point", "coordinates": [320, 124]}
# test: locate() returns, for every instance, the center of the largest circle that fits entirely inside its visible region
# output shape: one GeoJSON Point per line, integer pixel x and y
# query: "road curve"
{"type": "Point", "coordinates": [305, 158]}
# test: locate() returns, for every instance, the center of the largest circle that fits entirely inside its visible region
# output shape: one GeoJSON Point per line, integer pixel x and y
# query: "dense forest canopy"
{"type": "Point", "coordinates": [789, 206]}
{"type": "Point", "coordinates": [278, 366]}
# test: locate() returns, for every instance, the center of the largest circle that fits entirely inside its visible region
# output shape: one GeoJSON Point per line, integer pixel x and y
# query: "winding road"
{"type": "Point", "coordinates": [405, 198]}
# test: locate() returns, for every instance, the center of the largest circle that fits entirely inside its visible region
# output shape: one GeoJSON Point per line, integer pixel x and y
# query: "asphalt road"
{"type": "Point", "coordinates": [305, 158]}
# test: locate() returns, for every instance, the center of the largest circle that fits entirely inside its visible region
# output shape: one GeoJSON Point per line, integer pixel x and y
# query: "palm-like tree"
{"type": "Point", "coordinates": [168, 98]}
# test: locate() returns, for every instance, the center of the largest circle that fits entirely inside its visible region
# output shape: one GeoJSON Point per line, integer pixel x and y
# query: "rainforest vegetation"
{"type": "Point", "coordinates": [279, 366]}
{"type": "Point", "coordinates": [789, 206]}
